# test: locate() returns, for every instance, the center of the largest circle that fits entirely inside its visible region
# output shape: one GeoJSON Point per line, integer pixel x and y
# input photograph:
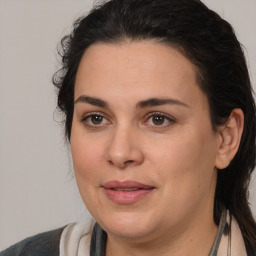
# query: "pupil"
{"type": "Point", "coordinates": [96, 119]}
{"type": "Point", "coordinates": [158, 120]}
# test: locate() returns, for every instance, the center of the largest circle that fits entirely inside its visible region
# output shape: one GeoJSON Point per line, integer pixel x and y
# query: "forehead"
{"type": "Point", "coordinates": [143, 67]}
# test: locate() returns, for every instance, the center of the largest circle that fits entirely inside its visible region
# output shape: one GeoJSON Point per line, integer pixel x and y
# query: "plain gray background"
{"type": "Point", "coordinates": [37, 189]}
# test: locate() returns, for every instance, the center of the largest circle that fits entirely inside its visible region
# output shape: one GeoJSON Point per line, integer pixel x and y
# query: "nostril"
{"type": "Point", "coordinates": [121, 164]}
{"type": "Point", "coordinates": [110, 162]}
{"type": "Point", "coordinates": [128, 162]}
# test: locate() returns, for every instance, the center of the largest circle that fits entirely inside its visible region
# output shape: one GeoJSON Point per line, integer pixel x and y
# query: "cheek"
{"type": "Point", "coordinates": [86, 154]}
{"type": "Point", "coordinates": [86, 168]}
{"type": "Point", "coordinates": [186, 164]}
{"type": "Point", "coordinates": [85, 158]}
{"type": "Point", "coordinates": [177, 155]}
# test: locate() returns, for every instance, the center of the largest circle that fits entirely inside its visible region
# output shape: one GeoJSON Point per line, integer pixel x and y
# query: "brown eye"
{"type": "Point", "coordinates": [96, 119]}
{"type": "Point", "coordinates": [158, 120]}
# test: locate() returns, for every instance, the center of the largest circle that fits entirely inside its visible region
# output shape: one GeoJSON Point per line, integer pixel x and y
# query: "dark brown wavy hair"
{"type": "Point", "coordinates": [209, 42]}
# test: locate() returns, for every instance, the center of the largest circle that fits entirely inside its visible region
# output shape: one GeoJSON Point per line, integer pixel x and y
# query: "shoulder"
{"type": "Point", "coordinates": [43, 244]}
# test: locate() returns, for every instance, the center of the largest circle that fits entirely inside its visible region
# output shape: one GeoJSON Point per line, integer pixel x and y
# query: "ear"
{"type": "Point", "coordinates": [230, 136]}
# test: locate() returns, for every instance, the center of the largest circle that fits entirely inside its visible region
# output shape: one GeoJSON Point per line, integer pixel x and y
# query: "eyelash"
{"type": "Point", "coordinates": [167, 118]}
{"type": "Point", "coordinates": [90, 115]}
{"type": "Point", "coordinates": [89, 124]}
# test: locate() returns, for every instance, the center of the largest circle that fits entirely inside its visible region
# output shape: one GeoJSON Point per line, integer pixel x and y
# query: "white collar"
{"type": "Point", "coordinates": [75, 240]}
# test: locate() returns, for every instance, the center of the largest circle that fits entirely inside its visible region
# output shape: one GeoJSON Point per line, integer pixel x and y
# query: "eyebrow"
{"type": "Point", "coordinates": [93, 101]}
{"type": "Point", "coordinates": [152, 102]}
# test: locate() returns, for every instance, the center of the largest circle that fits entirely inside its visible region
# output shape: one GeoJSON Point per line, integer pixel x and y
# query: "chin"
{"type": "Point", "coordinates": [127, 225]}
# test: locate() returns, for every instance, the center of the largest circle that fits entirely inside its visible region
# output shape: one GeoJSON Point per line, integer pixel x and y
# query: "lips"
{"type": "Point", "coordinates": [126, 192]}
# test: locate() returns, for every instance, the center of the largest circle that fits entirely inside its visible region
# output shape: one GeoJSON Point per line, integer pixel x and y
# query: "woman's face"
{"type": "Point", "coordinates": [143, 147]}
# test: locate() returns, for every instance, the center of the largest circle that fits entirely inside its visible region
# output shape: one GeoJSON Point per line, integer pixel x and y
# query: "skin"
{"type": "Point", "coordinates": [177, 157]}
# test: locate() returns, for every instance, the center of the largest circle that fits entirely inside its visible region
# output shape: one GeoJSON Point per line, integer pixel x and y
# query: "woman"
{"type": "Point", "coordinates": [160, 116]}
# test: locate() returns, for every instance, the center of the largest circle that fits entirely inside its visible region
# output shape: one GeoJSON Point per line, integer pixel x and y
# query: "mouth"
{"type": "Point", "coordinates": [126, 189]}
{"type": "Point", "coordinates": [126, 192]}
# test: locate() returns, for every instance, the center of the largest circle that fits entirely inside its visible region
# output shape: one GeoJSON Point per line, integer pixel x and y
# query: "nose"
{"type": "Point", "coordinates": [124, 150]}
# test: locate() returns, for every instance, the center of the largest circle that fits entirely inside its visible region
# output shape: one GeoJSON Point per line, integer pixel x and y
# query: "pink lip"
{"type": "Point", "coordinates": [126, 192]}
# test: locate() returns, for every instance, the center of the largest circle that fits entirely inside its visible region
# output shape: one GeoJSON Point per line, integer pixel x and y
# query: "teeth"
{"type": "Point", "coordinates": [126, 189]}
